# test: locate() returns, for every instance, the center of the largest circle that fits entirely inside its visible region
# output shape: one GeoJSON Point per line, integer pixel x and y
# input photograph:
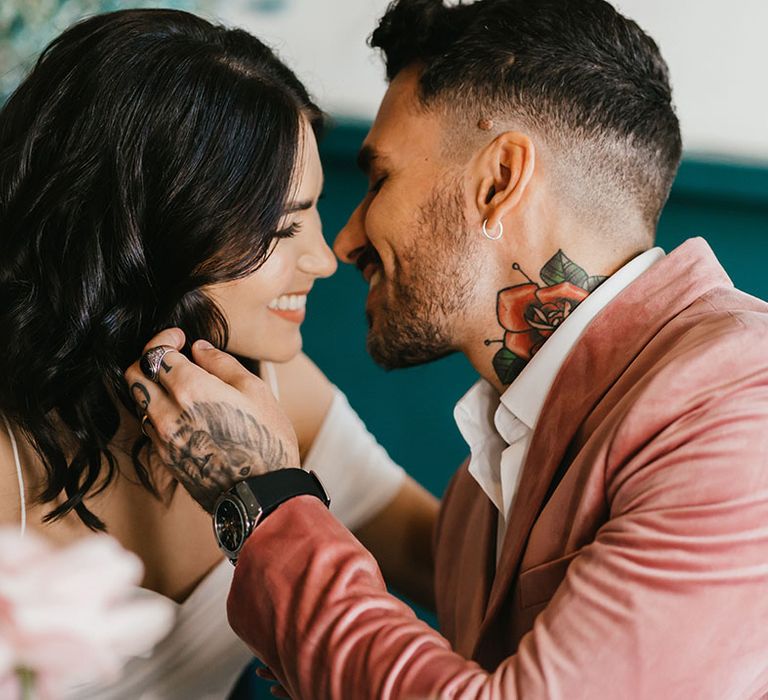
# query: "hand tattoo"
{"type": "Point", "coordinates": [140, 395]}
{"type": "Point", "coordinates": [216, 445]}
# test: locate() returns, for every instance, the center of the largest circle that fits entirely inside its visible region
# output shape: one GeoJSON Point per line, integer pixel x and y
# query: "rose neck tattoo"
{"type": "Point", "coordinates": [530, 313]}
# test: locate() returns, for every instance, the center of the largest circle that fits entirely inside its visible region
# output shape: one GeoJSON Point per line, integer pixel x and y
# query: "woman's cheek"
{"type": "Point", "coordinates": [274, 277]}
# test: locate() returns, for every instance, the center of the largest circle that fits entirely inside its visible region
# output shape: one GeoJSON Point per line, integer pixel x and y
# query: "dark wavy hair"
{"type": "Point", "coordinates": [577, 71]}
{"type": "Point", "coordinates": [149, 153]}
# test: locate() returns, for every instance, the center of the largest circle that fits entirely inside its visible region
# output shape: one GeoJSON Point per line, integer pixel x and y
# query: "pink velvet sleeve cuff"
{"type": "Point", "coordinates": [310, 602]}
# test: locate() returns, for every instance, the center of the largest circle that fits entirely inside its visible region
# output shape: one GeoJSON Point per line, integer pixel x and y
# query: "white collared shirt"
{"type": "Point", "coordinates": [497, 429]}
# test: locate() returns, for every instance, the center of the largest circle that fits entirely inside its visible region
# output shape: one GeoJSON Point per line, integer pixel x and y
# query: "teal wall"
{"type": "Point", "coordinates": [410, 411]}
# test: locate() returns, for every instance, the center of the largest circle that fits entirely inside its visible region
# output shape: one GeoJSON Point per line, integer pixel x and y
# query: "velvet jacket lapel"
{"type": "Point", "coordinates": [464, 544]}
{"type": "Point", "coordinates": [608, 346]}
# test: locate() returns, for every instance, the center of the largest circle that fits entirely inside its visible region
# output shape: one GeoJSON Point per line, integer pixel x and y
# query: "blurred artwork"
{"type": "Point", "coordinates": [268, 5]}
{"type": "Point", "coordinates": [27, 26]}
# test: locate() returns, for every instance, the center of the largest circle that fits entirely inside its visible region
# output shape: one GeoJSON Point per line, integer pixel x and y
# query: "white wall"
{"type": "Point", "coordinates": [324, 41]}
{"type": "Point", "coordinates": [718, 57]}
{"type": "Point", "coordinates": [717, 52]}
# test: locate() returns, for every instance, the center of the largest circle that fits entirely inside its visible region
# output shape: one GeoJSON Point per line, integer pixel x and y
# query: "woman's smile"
{"type": "Point", "coordinates": [291, 307]}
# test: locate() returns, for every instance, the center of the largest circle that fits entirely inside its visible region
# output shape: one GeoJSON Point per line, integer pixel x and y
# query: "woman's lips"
{"type": "Point", "coordinates": [293, 315]}
{"type": "Point", "coordinates": [290, 307]}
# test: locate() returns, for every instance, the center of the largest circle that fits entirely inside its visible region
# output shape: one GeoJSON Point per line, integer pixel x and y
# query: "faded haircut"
{"type": "Point", "coordinates": [587, 80]}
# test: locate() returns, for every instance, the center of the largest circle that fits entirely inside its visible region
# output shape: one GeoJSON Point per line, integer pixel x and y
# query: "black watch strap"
{"type": "Point", "coordinates": [238, 511]}
{"type": "Point", "coordinates": [273, 488]}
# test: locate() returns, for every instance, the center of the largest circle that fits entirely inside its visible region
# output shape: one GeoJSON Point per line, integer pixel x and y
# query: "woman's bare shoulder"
{"type": "Point", "coordinates": [10, 503]}
{"type": "Point", "coordinates": [305, 395]}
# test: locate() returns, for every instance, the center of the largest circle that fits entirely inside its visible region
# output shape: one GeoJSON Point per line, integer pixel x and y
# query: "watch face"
{"type": "Point", "coordinates": [230, 525]}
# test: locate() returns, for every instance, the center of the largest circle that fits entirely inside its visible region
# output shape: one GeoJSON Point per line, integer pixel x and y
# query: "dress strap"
{"type": "Point", "coordinates": [269, 375]}
{"type": "Point", "coordinates": [19, 475]}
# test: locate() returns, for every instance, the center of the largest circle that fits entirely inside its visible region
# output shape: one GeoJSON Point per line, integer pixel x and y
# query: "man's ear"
{"type": "Point", "coordinates": [506, 167]}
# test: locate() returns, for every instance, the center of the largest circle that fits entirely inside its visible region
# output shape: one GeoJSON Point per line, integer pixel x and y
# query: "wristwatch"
{"type": "Point", "coordinates": [238, 511]}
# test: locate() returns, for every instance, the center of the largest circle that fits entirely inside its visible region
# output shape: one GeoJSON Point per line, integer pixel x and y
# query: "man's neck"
{"type": "Point", "coordinates": [528, 311]}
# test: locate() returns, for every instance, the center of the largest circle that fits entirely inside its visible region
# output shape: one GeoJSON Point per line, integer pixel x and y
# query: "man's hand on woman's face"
{"type": "Point", "coordinates": [211, 422]}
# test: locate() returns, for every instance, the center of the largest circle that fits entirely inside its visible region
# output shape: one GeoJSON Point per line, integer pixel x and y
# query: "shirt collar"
{"type": "Point", "coordinates": [475, 410]}
{"type": "Point", "coordinates": [526, 395]}
{"type": "Point", "coordinates": [490, 424]}
{"type": "Point", "coordinates": [474, 416]}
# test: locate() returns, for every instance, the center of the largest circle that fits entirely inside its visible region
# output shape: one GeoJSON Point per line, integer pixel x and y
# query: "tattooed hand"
{"type": "Point", "coordinates": [212, 423]}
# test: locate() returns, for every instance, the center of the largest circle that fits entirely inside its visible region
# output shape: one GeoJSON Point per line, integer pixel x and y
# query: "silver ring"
{"type": "Point", "coordinates": [488, 235]}
{"type": "Point", "coordinates": [152, 360]}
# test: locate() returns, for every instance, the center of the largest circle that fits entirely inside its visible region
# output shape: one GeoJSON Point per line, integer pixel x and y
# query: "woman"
{"type": "Point", "coordinates": [156, 170]}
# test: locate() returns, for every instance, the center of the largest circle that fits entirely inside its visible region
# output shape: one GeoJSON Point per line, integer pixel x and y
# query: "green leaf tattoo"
{"type": "Point", "coordinates": [508, 365]}
{"type": "Point", "coordinates": [561, 268]}
{"type": "Point", "coordinates": [594, 282]}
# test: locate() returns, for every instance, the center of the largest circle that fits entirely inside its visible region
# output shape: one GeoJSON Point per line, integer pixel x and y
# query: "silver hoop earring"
{"type": "Point", "coordinates": [488, 235]}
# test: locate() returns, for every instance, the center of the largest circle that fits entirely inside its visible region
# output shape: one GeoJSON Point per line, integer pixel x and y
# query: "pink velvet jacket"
{"type": "Point", "coordinates": [635, 564]}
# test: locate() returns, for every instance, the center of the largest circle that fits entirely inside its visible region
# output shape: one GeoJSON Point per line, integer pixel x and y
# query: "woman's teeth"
{"type": "Point", "coordinates": [289, 302]}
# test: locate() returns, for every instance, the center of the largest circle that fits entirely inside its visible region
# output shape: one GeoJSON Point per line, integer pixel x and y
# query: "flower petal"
{"type": "Point", "coordinates": [512, 304]}
{"type": "Point", "coordinates": [564, 291]}
{"type": "Point", "coordinates": [74, 614]}
{"type": "Point", "coordinates": [521, 343]}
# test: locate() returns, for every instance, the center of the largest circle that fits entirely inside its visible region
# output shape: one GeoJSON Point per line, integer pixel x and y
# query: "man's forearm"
{"type": "Point", "coordinates": [334, 631]}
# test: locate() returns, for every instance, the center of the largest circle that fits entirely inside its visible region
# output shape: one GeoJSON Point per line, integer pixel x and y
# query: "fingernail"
{"type": "Point", "coordinates": [178, 336]}
{"type": "Point", "coordinates": [203, 345]}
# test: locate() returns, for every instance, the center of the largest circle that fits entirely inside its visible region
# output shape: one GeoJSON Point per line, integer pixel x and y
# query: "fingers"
{"type": "Point", "coordinates": [148, 396]}
{"type": "Point", "coordinates": [177, 371]}
{"type": "Point", "coordinates": [266, 674]}
{"type": "Point", "coordinates": [176, 374]}
{"type": "Point", "coordinates": [170, 336]}
{"type": "Point", "coordinates": [222, 365]}
{"type": "Point", "coordinates": [277, 690]}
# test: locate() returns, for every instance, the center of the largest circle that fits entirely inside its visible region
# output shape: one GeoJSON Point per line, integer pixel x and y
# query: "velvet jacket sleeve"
{"type": "Point", "coordinates": [667, 601]}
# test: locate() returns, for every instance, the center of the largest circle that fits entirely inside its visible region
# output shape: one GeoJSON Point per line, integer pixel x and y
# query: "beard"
{"type": "Point", "coordinates": [431, 288]}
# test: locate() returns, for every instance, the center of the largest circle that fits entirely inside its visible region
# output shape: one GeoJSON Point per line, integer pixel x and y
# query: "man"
{"type": "Point", "coordinates": [608, 536]}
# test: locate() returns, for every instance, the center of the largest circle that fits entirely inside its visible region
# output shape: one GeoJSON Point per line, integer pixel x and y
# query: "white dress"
{"type": "Point", "coordinates": [201, 658]}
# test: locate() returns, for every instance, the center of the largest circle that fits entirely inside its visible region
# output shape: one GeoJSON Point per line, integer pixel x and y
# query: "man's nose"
{"type": "Point", "coordinates": [351, 240]}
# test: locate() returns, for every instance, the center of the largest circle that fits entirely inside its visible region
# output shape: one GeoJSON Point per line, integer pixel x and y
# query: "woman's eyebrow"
{"type": "Point", "coordinates": [293, 207]}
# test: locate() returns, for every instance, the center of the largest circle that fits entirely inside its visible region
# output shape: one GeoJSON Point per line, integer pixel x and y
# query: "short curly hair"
{"type": "Point", "coordinates": [584, 77]}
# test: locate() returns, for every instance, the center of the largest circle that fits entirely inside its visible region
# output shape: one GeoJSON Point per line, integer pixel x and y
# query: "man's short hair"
{"type": "Point", "coordinates": [583, 77]}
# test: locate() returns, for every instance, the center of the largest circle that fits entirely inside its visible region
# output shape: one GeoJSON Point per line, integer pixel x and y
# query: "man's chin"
{"type": "Point", "coordinates": [390, 353]}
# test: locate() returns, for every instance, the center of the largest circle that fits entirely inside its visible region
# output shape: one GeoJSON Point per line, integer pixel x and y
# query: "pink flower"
{"type": "Point", "coordinates": [72, 615]}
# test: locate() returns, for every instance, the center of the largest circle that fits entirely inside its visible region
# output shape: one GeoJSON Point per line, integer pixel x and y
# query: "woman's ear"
{"type": "Point", "coordinates": [506, 166]}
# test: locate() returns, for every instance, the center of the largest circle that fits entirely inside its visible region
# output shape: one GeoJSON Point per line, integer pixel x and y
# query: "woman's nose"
{"type": "Point", "coordinates": [319, 261]}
